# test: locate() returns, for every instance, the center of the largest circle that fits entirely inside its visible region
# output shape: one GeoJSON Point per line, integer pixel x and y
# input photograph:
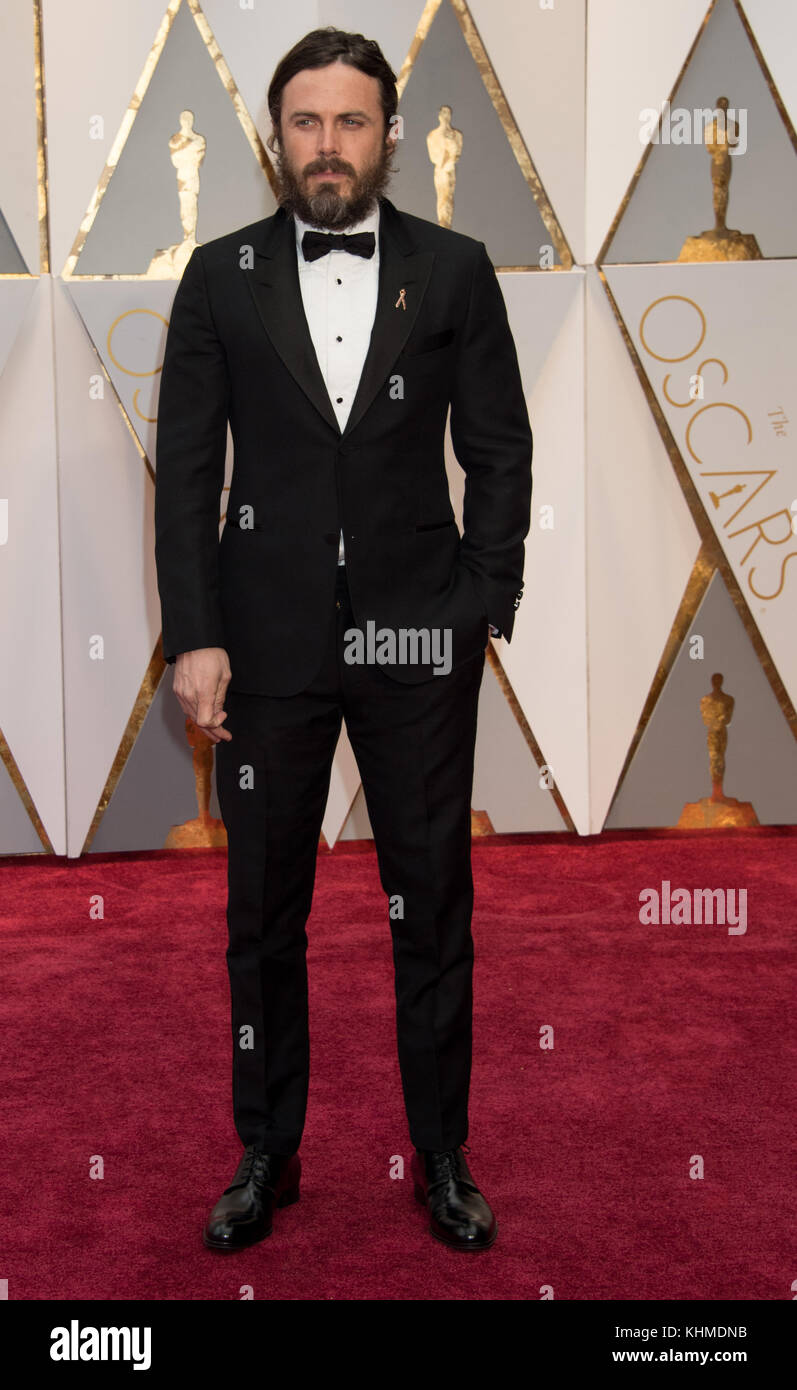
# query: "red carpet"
{"type": "Point", "coordinates": [670, 1042]}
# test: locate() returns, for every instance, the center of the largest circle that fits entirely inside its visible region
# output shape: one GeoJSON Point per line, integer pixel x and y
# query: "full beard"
{"type": "Point", "coordinates": [325, 206]}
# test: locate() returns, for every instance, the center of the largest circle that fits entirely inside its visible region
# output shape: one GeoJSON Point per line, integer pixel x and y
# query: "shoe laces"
{"type": "Point", "coordinates": [253, 1160]}
{"type": "Point", "coordinates": [446, 1163]}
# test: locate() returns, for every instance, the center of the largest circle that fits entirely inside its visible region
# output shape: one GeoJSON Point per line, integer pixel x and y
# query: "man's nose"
{"type": "Point", "coordinates": [327, 142]}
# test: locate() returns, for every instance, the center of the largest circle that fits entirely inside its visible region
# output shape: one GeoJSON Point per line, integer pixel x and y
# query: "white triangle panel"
{"type": "Point", "coordinates": [94, 53]}
{"type": "Point", "coordinates": [634, 55]}
{"type": "Point", "coordinates": [732, 327]}
{"type": "Point", "coordinates": [31, 677]}
{"type": "Point", "coordinates": [15, 298]}
{"type": "Point", "coordinates": [538, 56]}
{"type": "Point", "coordinates": [343, 787]}
{"type": "Point", "coordinates": [545, 661]}
{"type": "Point", "coordinates": [107, 567]}
{"type": "Point", "coordinates": [18, 147]}
{"type": "Point", "coordinates": [641, 545]}
{"type": "Point", "coordinates": [774, 26]}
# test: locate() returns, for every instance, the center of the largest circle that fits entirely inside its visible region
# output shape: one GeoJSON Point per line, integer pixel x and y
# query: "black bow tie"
{"type": "Point", "coordinates": [315, 244]}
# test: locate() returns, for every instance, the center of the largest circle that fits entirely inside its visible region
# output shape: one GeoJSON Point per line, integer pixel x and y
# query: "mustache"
{"type": "Point", "coordinates": [332, 166]}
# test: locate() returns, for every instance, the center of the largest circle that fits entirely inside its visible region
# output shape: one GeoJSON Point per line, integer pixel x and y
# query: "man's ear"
{"type": "Point", "coordinates": [395, 130]}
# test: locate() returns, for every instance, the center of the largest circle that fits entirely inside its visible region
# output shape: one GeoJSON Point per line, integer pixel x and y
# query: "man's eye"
{"type": "Point", "coordinates": [308, 120]}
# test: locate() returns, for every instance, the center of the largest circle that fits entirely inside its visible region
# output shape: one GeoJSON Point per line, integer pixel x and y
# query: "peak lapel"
{"type": "Point", "coordinates": [274, 282]}
{"type": "Point", "coordinates": [400, 268]}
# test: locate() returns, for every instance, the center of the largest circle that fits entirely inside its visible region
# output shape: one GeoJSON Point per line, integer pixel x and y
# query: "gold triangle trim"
{"type": "Point", "coordinates": [494, 662]}
{"type": "Point", "coordinates": [703, 524]}
{"type": "Point", "coordinates": [226, 78]}
{"type": "Point", "coordinates": [783, 113]}
{"type": "Point", "coordinates": [711, 557]}
{"type": "Point", "coordinates": [41, 161]}
{"type": "Point", "coordinates": [156, 666]}
{"type": "Point", "coordinates": [41, 143]}
{"type": "Point", "coordinates": [502, 108]}
{"type": "Point", "coordinates": [138, 714]}
{"type": "Point", "coordinates": [767, 75]}
{"type": "Point", "coordinates": [696, 587]}
{"type": "Point", "coordinates": [620, 213]}
{"type": "Point", "coordinates": [141, 451]}
{"type": "Point", "coordinates": [22, 792]}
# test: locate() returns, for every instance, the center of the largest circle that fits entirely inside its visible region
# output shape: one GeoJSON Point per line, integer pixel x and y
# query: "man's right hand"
{"type": "Point", "coordinates": [201, 678]}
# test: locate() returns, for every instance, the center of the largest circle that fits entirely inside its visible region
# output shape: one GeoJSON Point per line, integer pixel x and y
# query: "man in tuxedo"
{"type": "Point", "coordinates": [334, 336]}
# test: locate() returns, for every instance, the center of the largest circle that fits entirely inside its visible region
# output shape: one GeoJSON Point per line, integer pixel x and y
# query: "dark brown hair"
{"type": "Point", "coordinates": [324, 46]}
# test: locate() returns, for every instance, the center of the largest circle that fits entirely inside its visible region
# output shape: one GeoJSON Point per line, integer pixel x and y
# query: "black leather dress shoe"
{"type": "Point", "coordinates": [459, 1214]}
{"type": "Point", "coordinates": [242, 1215]}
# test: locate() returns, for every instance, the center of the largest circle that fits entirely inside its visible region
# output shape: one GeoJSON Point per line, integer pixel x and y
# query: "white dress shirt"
{"type": "Point", "coordinates": [339, 293]}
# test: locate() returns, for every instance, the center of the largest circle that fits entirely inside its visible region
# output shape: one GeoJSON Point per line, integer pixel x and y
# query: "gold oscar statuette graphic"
{"type": "Point", "coordinates": [721, 243]}
{"type": "Point", "coordinates": [187, 150]}
{"type": "Point", "coordinates": [204, 829]}
{"type": "Point", "coordinates": [717, 809]}
{"type": "Point", "coordinates": [444, 145]}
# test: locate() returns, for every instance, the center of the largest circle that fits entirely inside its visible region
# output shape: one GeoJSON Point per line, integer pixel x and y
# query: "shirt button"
{"type": "Point", "coordinates": [339, 400]}
{"type": "Point", "coordinates": [338, 339]}
{"type": "Point", "coordinates": [340, 282]}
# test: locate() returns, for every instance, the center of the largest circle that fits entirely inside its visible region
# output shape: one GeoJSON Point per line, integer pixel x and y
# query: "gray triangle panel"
{"type": "Point", "coordinates": [671, 765]}
{"type": "Point", "coordinates": [673, 196]}
{"type": "Point", "coordinates": [492, 200]}
{"type": "Point", "coordinates": [140, 212]}
{"type": "Point", "coordinates": [157, 788]}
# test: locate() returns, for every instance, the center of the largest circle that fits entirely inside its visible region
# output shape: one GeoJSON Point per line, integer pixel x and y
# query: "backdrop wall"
{"type": "Point", "coordinates": [651, 284]}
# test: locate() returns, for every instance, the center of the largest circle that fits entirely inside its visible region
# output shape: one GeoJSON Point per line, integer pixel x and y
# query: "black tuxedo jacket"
{"type": "Point", "coordinates": [239, 348]}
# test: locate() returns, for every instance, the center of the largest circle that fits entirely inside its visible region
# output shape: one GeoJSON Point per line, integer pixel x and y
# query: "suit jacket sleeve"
{"type": "Point", "coordinates": [492, 440]}
{"type": "Point", "coordinates": [189, 477]}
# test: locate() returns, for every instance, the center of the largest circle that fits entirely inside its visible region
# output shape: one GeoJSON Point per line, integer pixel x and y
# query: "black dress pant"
{"type": "Point", "coordinates": [414, 746]}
